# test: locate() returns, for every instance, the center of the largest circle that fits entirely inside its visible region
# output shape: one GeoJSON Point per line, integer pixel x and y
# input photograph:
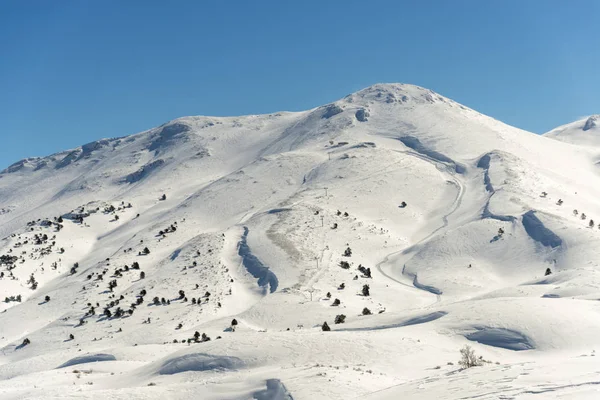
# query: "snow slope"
{"type": "Point", "coordinates": [584, 132]}
{"type": "Point", "coordinates": [451, 218]}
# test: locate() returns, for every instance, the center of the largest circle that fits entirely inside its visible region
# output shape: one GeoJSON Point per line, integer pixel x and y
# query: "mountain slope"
{"type": "Point", "coordinates": [584, 132]}
{"type": "Point", "coordinates": [432, 225]}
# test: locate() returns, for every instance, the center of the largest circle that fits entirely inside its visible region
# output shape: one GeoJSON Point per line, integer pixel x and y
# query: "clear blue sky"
{"type": "Point", "coordinates": [76, 71]}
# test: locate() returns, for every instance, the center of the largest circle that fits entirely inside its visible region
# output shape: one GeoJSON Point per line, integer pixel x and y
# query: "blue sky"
{"type": "Point", "coordinates": [76, 71]}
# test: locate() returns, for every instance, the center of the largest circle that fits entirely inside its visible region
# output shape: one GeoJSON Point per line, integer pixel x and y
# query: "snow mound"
{"type": "Point", "coordinates": [88, 359]}
{"type": "Point", "coordinates": [415, 144]}
{"type": "Point", "coordinates": [199, 362]}
{"type": "Point", "coordinates": [585, 132]}
{"type": "Point", "coordinates": [538, 232]}
{"type": "Point", "coordinates": [275, 391]}
{"type": "Point", "coordinates": [499, 337]}
{"type": "Point", "coordinates": [331, 110]}
{"type": "Point", "coordinates": [144, 171]}
{"type": "Point", "coordinates": [170, 134]}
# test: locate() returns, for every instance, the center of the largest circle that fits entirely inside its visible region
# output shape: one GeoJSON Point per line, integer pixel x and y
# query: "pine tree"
{"type": "Point", "coordinates": [365, 290]}
{"type": "Point", "coordinates": [340, 319]}
{"type": "Point", "coordinates": [325, 327]}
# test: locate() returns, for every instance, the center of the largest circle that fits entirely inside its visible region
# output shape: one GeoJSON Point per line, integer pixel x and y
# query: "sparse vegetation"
{"type": "Point", "coordinates": [468, 359]}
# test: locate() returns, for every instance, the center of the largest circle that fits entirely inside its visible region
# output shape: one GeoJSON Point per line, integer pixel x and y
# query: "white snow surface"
{"type": "Point", "coordinates": [259, 210]}
{"type": "Point", "coordinates": [584, 132]}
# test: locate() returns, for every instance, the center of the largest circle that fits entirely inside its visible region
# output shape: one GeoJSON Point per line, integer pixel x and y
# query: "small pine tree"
{"type": "Point", "coordinates": [340, 319]}
{"type": "Point", "coordinates": [142, 275]}
{"type": "Point", "coordinates": [366, 311]}
{"type": "Point", "coordinates": [325, 327]}
{"type": "Point", "coordinates": [47, 299]}
{"type": "Point", "coordinates": [365, 290]}
{"type": "Point", "coordinates": [548, 272]}
{"type": "Point", "coordinates": [591, 224]}
{"type": "Point", "coordinates": [234, 322]}
{"type": "Point", "coordinates": [336, 303]}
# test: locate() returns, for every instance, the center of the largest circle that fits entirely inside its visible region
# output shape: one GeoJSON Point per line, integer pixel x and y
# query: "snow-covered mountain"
{"type": "Point", "coordinates": [409, 223]}
{"type": "Point", "coordinates": [584, 132]}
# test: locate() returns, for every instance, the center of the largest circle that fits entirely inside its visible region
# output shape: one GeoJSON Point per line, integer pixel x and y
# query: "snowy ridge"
{"type": "Point", "coordinates": [584, 132]}
{"type": "Point", "coordinates": [200, 259]}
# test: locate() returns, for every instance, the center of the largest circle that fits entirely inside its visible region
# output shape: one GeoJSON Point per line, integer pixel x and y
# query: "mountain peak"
{"type": "Point", "coordinates": [395, 93]}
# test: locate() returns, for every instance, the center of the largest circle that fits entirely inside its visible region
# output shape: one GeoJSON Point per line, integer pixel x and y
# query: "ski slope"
{"type": "Point", "coordinates": [452, 217]}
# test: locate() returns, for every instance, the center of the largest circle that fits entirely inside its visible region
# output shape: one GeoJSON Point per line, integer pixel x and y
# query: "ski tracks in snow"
{"type": "Point", "coordinates": [453, 208]}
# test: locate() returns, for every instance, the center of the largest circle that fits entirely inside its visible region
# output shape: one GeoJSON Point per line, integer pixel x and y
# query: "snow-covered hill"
{"type": "Point", "coordinates": [418, 224]}
{"type": "Point", "coordinates": [584, 132]}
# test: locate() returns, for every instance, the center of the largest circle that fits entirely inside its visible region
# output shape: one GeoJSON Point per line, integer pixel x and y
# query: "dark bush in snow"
{"type": "Point", "coordinates": [325, 327]}
{"type": "Point", "coordinates": [340, 319]}
{"type": "Point", "coordinates": [365, 290]}
{"type": "Point", "coordinates": [468, 358]}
